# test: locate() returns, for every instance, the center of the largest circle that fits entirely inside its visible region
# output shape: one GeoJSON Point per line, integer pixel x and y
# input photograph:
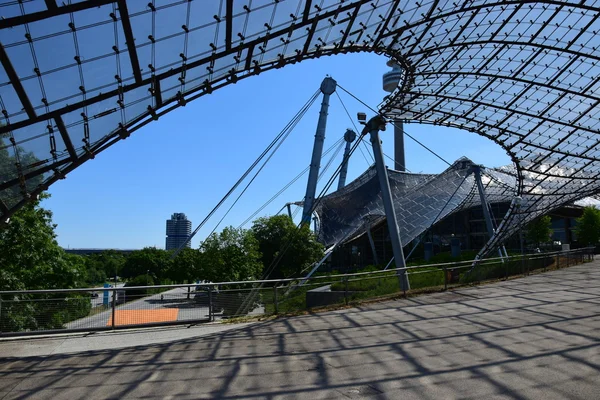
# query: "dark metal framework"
{"type": "Point", "coordinates": [78, 77]}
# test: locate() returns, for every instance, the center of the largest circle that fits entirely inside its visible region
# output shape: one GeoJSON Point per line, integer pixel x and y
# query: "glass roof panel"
{"type": "Point", "coordinates": [524, 73]}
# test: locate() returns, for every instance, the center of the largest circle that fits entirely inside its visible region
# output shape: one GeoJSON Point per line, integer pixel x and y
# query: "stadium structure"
{"type": "Point", "coordinates": [424, 204]}
{"type": "Point", "coordinates": [78, 77]}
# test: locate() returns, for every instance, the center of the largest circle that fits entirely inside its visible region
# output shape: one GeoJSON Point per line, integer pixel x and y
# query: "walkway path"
{"type": "Point", "coordinates": [531, 338]}
{"type": "Point", "coordinates": [170, 305]}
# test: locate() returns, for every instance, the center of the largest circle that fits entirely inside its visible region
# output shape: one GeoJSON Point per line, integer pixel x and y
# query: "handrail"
{"type": "Point", "coordinates": [454, 264]}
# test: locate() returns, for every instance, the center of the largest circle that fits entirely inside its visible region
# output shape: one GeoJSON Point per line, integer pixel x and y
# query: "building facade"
{"type": "Point", "coordinates": [179, 228]}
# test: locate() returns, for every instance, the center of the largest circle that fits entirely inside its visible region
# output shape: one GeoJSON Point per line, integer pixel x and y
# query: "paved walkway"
{"type": "Point", "coordinates": [531, 338]}
{"type": "Point", "coordinates": [174, 300]}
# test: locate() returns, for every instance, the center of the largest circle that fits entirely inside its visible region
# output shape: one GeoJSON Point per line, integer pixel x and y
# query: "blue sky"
{"type": "Point", "coordinates": [188, 160]}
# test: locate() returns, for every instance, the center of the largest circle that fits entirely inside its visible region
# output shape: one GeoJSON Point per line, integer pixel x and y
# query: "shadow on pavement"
{"type": "Point", "coordinates": [537, 337]}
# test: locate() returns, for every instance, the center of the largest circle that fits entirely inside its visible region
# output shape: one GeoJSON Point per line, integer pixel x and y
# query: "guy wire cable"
{"type": "Point", "coordinates": [290, 183]}
{"type": "Point", "coordinates": [287, 245]}
{"type": "Point", "coordinates": [392, 122]}
{"type": "Point", "coordinates": [241, 179]}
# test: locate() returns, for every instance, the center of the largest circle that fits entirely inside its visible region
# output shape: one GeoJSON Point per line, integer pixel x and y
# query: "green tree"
{"type": "Point", "coordinates": [29, 252]}
{"type": "Point", "coordinates": [94, 275]}
{"type": "Point", "coordinates": [104, 265]}
{"type": "Point", "coordinates": [186, 266]}
{"type": "Point", "coordinates": [30, 258]}
{"type": "Point", "coordinates": [539, 230]}
{"type": "Point", "coordinates": [286, 250]}
{"type": "Point", "coordinates": [141, 280]}
{"type": "Point", "coordinates": [231, 255]}
{"type": "Point", "coordinates": [588, 226]}
{"type": "Point", "coordinates": [149, 260]}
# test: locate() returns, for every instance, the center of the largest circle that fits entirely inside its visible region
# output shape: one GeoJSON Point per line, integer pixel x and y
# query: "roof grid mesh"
{"type": "Point", "coordinates": [77, 77]}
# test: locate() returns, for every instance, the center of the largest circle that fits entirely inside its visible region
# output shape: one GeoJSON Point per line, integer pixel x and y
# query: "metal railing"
{"type": "Point", "coordinates": [27, 312]}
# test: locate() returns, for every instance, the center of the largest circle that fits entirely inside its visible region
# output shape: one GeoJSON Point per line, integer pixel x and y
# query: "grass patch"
{"type": "Point", "coordinates": [388, 283]}
{"type": "Point", "coordinates": [291, 302]}
{"type": "Point", "coordinates": [363, 285]}
{"type": "Point", "coordinates": [426, 277]}
{"type": "Point", "coordinates": [379, 286]}
{"type": "Point", "coordinates": [505, 269]}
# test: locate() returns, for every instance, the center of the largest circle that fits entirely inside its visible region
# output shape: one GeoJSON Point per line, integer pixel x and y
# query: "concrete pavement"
{"type": "Point", "coordinates": [531, 338]}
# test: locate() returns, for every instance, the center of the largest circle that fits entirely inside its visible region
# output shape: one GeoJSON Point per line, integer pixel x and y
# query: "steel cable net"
{"type": "Point", "coordinates": [76, 77]}
{"type": "Point", "coordinates": [419, 200]}
{"type": "Point", "coordinates": [422, 200]}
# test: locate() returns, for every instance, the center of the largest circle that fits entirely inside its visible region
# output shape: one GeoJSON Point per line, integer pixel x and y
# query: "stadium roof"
{"type": "Point", "coordinates": [421, 200]}
{"type": "Point", "coordinates": [78, 76]}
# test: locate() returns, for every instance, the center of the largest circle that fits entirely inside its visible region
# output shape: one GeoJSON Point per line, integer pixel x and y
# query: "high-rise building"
{"type": "Point", "coordinates": [179, 228]}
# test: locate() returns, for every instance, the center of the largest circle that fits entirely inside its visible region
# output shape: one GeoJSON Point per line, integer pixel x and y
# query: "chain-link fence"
{"type": "Point", "coordinates": [71, 310]}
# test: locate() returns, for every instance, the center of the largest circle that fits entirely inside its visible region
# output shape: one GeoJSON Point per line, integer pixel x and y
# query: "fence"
{"type": "Point", "coordinates": [72, 310]}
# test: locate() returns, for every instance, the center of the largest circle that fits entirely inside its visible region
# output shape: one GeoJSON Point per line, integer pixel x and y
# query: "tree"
{"type": "Point", "coordinates": [286, 249]}
{"type": "Point", "coordinates": [588, 226]}
{"type": "Point", "coordinates": [141, 280]}
{"type": "Point", "coordinates": [104, 266]}
{"type": "Point", "coordinates": [95, 274]}
{"type": "Point", "coordinates": [186, 266]}
{"type": "Point", "coordinates": [539, 230]}
{"type": "Point", "coordinates": [30, 254]}
{"type": "Point", "coordinates": [30, 258]}
{"type": "Point", "coordinates": [149, 260]}
{"type": "Point", "coordinates": [231, 255]}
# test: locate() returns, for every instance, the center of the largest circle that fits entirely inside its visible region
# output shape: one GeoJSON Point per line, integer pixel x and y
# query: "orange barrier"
{"type": "Point", "coordinates": [135, 317]}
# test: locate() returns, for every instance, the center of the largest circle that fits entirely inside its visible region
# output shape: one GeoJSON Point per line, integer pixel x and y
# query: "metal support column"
{"type": "Point", "coordinates": [399, 159]}
{"type": "Point", "coordinates": [484, 204]}
{"type": "Point", "coordinates": [327, 88]}
{"type": "Point", "coordinates": [349, 137]}
{"type": "Point", "coordinates": [375, 259]}
{"type": "Point", "coordinates": [289, 210]}
{"type": "Point", "coordinates": [374, 125]}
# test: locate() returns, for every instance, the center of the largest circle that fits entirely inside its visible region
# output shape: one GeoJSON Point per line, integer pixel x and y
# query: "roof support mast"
{"type": "Point", "coordinates": [372, 243]}
{"type": "Point", "coordinates": [327, 88]}
{"type": "Point", "coordinates": [373, 127]}
{"type": "Point", "coordinates": [349, 137]}
{"type": "Point", "coordinates": [484, 204]}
